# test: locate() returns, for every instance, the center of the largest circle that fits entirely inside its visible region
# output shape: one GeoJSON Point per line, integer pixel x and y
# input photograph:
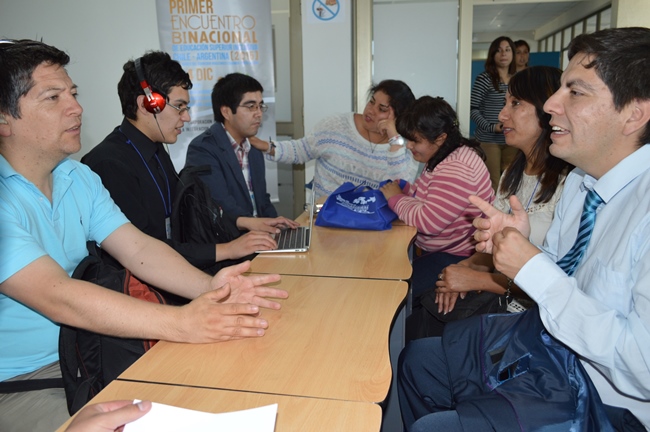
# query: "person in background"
{"type": "Point", "coordinates": [488, 97]}
{"type": "Point", "coordinates": [238, 178]}
{"type": "Point", "coordinates": [522, 52]}
{"type": "Point", "coordinates": [50, 207]}
{"type": "Point", "coordinates": [138, 172]}
{"type": "Point", "coordinates": [108, 416]}
{"type": "Point", "coordinates": [364, 149]}
{"type": "Point", "coordinates": [591, 278]}
{"type": "Point", "coordinates": [535, 177]}
{"type": "Point", "coordinates": [436, 204]}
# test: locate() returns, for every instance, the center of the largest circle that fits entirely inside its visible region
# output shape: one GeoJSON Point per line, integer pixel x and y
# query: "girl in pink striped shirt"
{"type": "Point", "coordinates": [437, 203]}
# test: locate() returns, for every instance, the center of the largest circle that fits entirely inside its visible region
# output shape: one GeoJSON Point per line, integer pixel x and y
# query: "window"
{"type": "Point", "coordinates": [560, 40]}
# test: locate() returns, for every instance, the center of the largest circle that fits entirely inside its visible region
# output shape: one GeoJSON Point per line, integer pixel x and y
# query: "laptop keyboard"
{"type": "Point", "coordinates": [292, 238]}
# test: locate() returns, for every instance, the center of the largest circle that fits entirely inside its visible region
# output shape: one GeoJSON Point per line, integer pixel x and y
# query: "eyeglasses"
{"type": "Point", "coordinates": [180, 110]}
{"type": "Point", "coordinates": [252, 106]}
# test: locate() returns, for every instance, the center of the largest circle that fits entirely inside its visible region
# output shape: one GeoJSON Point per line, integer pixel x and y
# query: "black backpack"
{"type": "Point", "coordinates": [196, 217]}
{"type": "Point", "coordinates": [89, 361]}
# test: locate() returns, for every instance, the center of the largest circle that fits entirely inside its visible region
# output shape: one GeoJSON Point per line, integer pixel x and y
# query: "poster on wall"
{"type": "Point", "coordinates": [211, 39]}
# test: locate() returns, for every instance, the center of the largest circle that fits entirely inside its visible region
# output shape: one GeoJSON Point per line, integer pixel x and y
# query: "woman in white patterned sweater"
{"type": "Point", "coordinates": [364, 149]}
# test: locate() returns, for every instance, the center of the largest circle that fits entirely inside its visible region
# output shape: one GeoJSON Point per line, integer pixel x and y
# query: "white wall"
{"type": "Point", "coordinates": [327, 67]}
{"type": "Point", "coordinates": [630, 13]}
{"type": "Point", "coordinates": [327, 63]}
{"type": "Point", "coordinates": [416, 43]}
{"type": "Point", "coordinates": [99, 36]}
{"type": "Point", "coordinates": [280, 18]}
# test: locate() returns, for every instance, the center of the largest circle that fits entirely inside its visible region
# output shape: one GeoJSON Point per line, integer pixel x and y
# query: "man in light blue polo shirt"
{"type": "Point", "coordinates": [32, 228]}
{"type": "Point", "coordinates": [49, 207]}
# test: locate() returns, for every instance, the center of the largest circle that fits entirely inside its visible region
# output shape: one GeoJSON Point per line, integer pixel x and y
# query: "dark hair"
{"type": "Point", "coordinates": [490, 64]}
{"type": "Point", "coordinates": [161, 73]}
{"type": "Point", "coordinates": [621, 58]}
{"type": "Point", "coordinates": [535, 85]}
{"type": "Point", "coordinates": [18, 60]}
{"type": "Point", "coordinates": [398, 92]}
{"type": "Point", "coordinates": [430, 117]}
{"type": "Point", "coordinates": [230, 90]}
{"type": "Point", "coordinates": [520, 43]}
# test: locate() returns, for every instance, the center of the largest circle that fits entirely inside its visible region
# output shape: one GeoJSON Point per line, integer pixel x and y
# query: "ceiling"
{"type": "Point", "coordinates": [517, 18]}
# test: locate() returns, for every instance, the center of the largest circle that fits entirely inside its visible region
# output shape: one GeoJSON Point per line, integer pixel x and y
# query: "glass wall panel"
{"type": "Point", "coordinates": [606, 19]}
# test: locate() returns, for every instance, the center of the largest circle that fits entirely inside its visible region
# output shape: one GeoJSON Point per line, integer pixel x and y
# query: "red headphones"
{"type": "Point", "coordinates": [153, 102]}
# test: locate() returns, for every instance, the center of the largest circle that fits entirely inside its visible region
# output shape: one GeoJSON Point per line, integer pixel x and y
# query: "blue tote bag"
{"type": "Point", "coordinates": [356, 207]}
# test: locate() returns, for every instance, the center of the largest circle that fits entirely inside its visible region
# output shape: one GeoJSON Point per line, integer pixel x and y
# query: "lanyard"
{"type": "Point", "coordinates": [168, 202]}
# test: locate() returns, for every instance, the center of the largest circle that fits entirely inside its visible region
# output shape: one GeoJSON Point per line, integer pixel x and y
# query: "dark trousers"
{"type": "Point", "coordinates": [426, 268]}
{"type": "Point", "coordinates": [424, 390]}
{"type": "Point", "coordinates": [426, 397]}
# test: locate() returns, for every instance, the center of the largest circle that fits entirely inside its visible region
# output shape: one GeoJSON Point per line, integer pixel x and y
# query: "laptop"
{"type": "Point", "coordinates": [295, 240]}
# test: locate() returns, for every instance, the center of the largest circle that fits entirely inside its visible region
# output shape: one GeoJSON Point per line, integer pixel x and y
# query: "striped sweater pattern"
{"type": "Point", "coordinates": [485, 106]}
{"type": "Point", "coordinates": [437, 203]}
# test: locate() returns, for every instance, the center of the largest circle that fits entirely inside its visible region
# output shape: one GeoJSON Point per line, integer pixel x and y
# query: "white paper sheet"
{"type": "Point", "coordinates": [163, 418]}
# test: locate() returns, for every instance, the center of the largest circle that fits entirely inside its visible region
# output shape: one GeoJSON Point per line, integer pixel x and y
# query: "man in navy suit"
{"type": "Point", "coordinates": [237, 180]}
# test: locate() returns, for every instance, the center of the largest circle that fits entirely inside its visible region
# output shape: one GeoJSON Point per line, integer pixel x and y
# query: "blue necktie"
{"type": "Point", "coordinates": [587, 221]}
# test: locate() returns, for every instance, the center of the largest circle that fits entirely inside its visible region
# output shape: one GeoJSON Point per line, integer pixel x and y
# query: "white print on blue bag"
{"type": "Point", "coordinates": [363, 205]}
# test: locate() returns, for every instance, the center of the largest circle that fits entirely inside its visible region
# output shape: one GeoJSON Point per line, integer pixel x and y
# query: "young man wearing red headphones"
{"type": "Point", "coordinates": [138, 172]}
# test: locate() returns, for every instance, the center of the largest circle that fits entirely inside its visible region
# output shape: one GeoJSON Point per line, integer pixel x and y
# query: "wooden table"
{"type": "Point", "coordinates": [329, 340]}
{"type": "Point", "coordinates": [294, 413]}
{"type": "Point", "coordinates": [339, 252]}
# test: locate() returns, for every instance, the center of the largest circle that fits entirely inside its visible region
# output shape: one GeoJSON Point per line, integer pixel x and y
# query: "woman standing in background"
{"type": "Point", "coordinates": [488, 97]}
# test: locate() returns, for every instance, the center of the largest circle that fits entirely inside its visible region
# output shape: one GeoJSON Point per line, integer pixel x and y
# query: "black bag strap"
{"type": "Point", "coordinates": [30, 385]}
{"type": "Point", "coordinates": [94, 256]}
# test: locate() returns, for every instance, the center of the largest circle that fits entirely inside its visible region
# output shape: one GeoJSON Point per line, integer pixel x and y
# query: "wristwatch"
{"type": "Point", "coordinates": [397, 140]}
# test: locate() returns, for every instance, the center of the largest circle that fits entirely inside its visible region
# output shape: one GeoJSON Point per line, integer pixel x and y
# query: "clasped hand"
{"type": "Point", "coordinates": [495, 221]}
{"type": "Point", "coordinates": [454, 282]}
{"type": "Point", "coordinates": [503, 235]}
